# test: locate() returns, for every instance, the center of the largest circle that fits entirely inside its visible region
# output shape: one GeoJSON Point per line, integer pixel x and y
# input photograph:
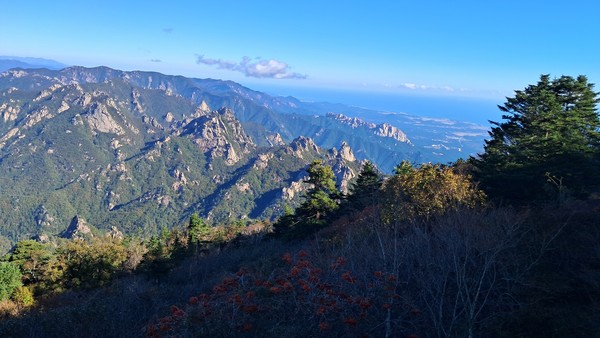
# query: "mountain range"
{"type": "Point", "coordinates": [143, 150]}
{"type": "Point", "coordinates": [8, 62]}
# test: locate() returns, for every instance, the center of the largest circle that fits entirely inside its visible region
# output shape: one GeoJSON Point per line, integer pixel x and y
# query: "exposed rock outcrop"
{"type": "Point", "coordinates": [114, 233]}
{"type": "Point", "coordinates": [83, 100]}
{"type": "Point", "coordinates": [343, 176]}
{"type": "Point", "coordinates": [37, 116]}
{"type": "Point", "coordinates": [275, 140]}
{"type": "Point", "coordinates": [8, 136]}
{"type": "Point", "coordinates": [135, 100]}
{"type": "Point", "coordinates": [42, 217]}
{"type": "Point", "coordinates": [301, 145]}
{"type": "Point", "coordinates": [151, 121]}
{"type": "Point", "coordinates": [221, 135]}
{"type": "Point", "coordinates": [47, 92]}
{"type": "Point", "coordinates": [387, 130]}
{"type": "Point", "coordinates": [295, 188]}
{"type": "Point", "coordinates": [77, 229]}
{"type": "Point", "coordinates": [9, 112]}
{"type": "Point", "coordinates": [180, 180]}
{"type": "Point", "coordinates": [383, 130]}
{"type": "Point", "coordinates": [100, 120]}
{"type": "Point", "coordinates": [346, 153]}
{"type": "Point", "coordinates": [262, 161]}
{"type": "Point", "coordinates": [204, 107]}
{"type": "Point", "coordinates": [64, 106]}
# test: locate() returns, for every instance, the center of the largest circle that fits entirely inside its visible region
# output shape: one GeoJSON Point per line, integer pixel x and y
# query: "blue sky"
{"type": "Point", "coordinates": [459, 48]}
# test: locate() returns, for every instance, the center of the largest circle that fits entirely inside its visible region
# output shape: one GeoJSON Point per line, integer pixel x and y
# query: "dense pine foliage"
{"type": "Point", "coordinates": [549, 144]}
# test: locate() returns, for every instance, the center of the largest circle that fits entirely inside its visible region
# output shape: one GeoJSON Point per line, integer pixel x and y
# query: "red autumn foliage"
{"type": "Point", "coordinates": [287, 258]}
{"type": "Point", "coordinates": [351, 321]}
{"type": "Point", "coordinates": [348, 277]}
{"type": "Point", "coordinates": [252, 308]}
{"type": "Point", "coordinates": [247, 327]}
{"type": "Point", "coordinates": [304, 292]}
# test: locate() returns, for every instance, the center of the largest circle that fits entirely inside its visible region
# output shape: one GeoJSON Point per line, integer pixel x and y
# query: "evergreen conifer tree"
{"type": "Point", "coordinates": [365, 191]}
{"type": "Point", "coordinates": [549, 142]}
{"type": "Point", "coordinates": [10, 279]}
{"type": "Point", "coordinates": [322, 196]}
{"type": "Point", "coordinates": [320, 202]}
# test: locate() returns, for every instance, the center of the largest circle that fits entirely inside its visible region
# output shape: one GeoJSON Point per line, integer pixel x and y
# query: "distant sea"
{"type": "Point", "coordinates": [466, 109]}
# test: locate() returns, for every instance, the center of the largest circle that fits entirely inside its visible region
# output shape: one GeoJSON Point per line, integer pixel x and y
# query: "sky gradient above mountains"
{"type": "Point", "coordinates": [460, 48]}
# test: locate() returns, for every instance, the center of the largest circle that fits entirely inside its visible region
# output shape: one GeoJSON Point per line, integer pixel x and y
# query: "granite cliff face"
{"type": "Point", "coordinates": [346, 153]}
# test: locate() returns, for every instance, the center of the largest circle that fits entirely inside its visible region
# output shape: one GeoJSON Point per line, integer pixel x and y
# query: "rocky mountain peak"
{"type": "Point", "coordinates": [77, 229]}
{"type": "Point", "coordinates": [204, 107]}
{"type": "Point", "coordinates": [202, 110]}
{"type": "Point", "coordinates": [387, 130]}
{"type": "Point", "coordinates": [346, 152]}
{"type": "Point", "coordinates": [228, 115]}
{"type": "Point", "coordinates": [303, 144]}
{"type": "Point", "coordinates": [101, 120]}
{"type": "Point", "coordinates": [275, 140]}
{"type": "Point", "coordinates": [221, 135]}
{"type": "Point", "coordinates": [353, 122]}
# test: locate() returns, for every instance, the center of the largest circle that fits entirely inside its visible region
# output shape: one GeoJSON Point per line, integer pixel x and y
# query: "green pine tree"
{"type": "Point", "coordinates": [320, 202]}
{"type": "Point", "coordinates": [10, 279]}
{"type": "Point", "coordinates": [321, 197]}
{"type": "Point", "coordinates": [548, 144]}
{"type": "Point", "coordinates": [32, 258]}
{"type": "Point", "coordinates": [366, 190]}
{"type": "Point", "coordinates": [197, 233]}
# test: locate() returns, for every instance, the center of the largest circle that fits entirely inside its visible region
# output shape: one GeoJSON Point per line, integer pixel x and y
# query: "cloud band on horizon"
{"type": "Point", "coordinates": [260, 68]}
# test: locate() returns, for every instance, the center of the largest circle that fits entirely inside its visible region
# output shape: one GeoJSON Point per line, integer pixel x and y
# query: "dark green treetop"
{"type": "Point", "coordinates": [196, 228]}
{"type": "Point", "coordinates": [365, 191]}
{"type": "Point", "coordinates": [32, 258]}
{"type": "Point", "coordinates": [10, 279]}
{"type": "Point", "coordinates": [548, 143]}
{"type": "Point", "coordinates": [321, 201]}
{"type": "Point", "coordinates": [321, 198]}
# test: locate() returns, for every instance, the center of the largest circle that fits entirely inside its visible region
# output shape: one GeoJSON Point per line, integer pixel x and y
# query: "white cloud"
{"type": "Point", "coordinates": [259, 68]}
{"type": "Point", "coordinates": [221, 64]}
{"type": "Point", "coordinates": [415, 86]}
